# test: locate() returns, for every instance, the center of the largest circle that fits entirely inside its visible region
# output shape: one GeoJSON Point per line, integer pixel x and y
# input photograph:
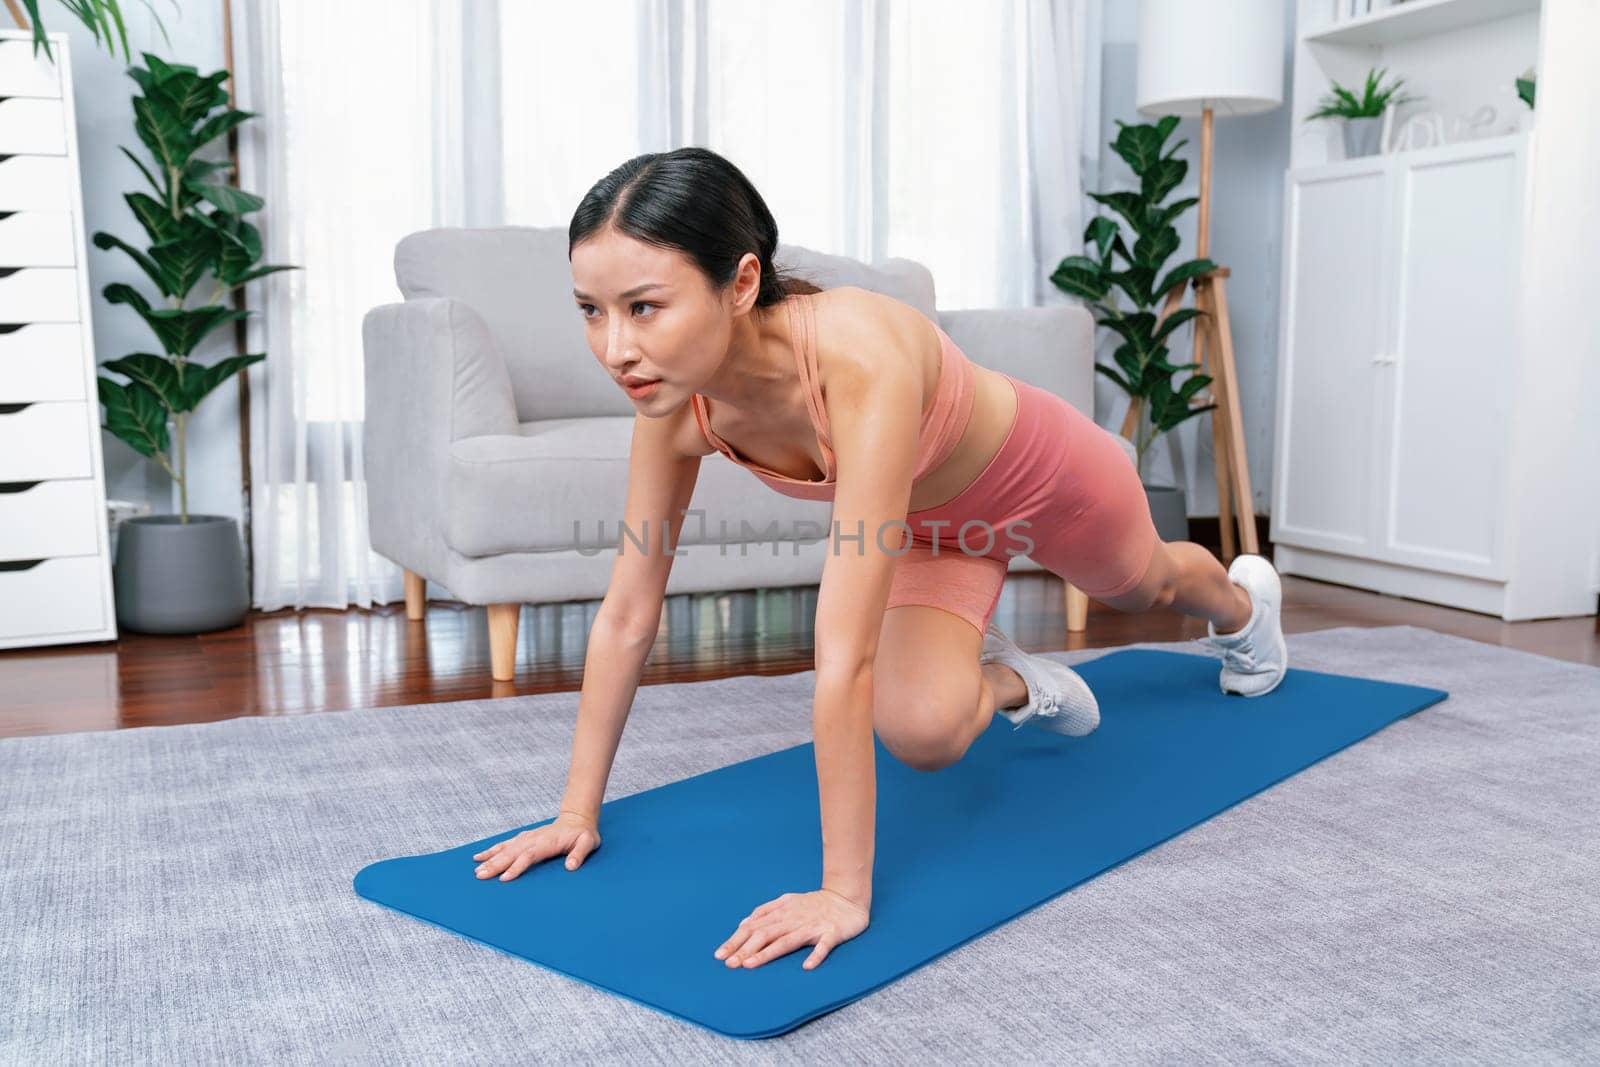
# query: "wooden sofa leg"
{"type": "Point", "coordinates": [1077, 609]}
{"type": "Point", "coordinates": [416, 596]}
{"type": "Point", "coordinates": [503, 640]}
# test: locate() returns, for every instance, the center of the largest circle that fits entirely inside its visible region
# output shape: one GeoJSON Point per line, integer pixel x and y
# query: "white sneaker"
{"type": "Point", "coordinates": [1254, 659]}
{"type": "Point", "coordinates": [1059, 700]}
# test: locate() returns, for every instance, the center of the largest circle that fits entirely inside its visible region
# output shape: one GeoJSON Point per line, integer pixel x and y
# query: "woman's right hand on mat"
{"type": "Point", "coordinates": [569, 834]}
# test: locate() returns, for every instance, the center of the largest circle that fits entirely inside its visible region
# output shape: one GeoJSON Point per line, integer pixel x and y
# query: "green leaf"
{"type": "Point", "coordinates": [151, 178]}
{"type": "Point", "coordinates": [178, 329]}
{"type": "Point", "coordinates": [250, 276]}
{"type": "Point", "coordinates": [1127, 204]}
{"type": "Point", "coordinates": [162, 133]}
{"type": "Point", "coordinates": [1140, 145]}
{"type": "Point", "coordinates": [1080, 277]}
{"type": "Point", "coordinates": [135, 415]}
{"type": "Point", "coordinates": [151, 268]}
{"type": "Point", "coordinates": [1195, 383]}
{"type": "Point", "coordinates": [1182, 273]}
{"type": "Point", "coordinates": [1173, 321]}
{"type": "Point", "coordinates": [198, 380]}
{"type": "Point", "coordinates": [1163, 176]}
{"type": "Point", "coordinates": [1100, 232]}
{"type": "Point", "coordinates": [1114, 376]}
{"type": "Point", "coordinates": [1152, 249]}
{"type": "Point", "coordinates": [234, 201]}
{"type": "Point", "coordinates": [157, 221]}
{"type": "Point", "coordinates": [200, 168]}
{"type": "Point", "coordinates": [121, 293]}
{"type": "Point", "coordinates": [189, 254]}
{"type": "Point", "coordinates": [217, 125]}
{"type": "Point", "coordinates": [155, 373]}
{"type": "Point", "coordinates": [1128, 358]}
{"type": "Point", "coordinates": [1165, 215]}
{"type": "Point", "coordinates": [181, 329]}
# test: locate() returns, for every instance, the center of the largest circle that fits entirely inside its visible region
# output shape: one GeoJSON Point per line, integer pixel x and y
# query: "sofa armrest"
{"type": "Point", "coordinates": [432, 376]}
{"type": "Point", "coordinates": [1051, 347]}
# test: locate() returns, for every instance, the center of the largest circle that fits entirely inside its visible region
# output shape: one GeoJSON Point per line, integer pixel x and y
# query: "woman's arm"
{"type": "Point", "coordinates": [661, 479]}
{"type": "Point", "coordinates": [874, 416]}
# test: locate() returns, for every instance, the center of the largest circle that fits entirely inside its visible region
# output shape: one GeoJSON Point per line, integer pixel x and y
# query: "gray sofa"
{"type": "Point", "coordinates": [496, 446]}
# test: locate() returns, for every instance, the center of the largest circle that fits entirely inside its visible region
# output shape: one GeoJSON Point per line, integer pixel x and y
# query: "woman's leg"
{"type": "Point", "coordinates": [1187, 578]}
{"type": "Point", "coordinates": [1094, 529]}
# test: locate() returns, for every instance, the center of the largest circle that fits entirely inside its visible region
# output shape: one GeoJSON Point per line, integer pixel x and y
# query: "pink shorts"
{"type": "Point", "coordinates": [1060, 490]}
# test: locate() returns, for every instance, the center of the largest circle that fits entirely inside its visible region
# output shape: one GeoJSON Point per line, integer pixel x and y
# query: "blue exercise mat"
{"type": "Point", "coordinates": [1024, 816]}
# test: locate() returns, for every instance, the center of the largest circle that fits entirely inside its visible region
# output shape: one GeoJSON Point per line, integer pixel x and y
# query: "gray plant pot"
{"type": "Point", "coordinates": [172, 577]}
{"type": "Point", "coordinates": [1362, 136]}
{"type": "Point", "coordinates": [1169, 510]}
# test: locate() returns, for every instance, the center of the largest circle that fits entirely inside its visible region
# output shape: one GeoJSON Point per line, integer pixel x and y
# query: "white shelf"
{"type": "Point", "coordinates": [1412, 156]}
{"type": "Point", "coordinates": [1419, 18]}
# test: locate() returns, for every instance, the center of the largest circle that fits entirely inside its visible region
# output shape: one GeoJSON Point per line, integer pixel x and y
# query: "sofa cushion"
{"type": "Point", "coordinates": [550, 487]}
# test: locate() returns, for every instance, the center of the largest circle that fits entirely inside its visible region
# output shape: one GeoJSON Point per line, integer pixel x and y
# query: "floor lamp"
{"type": "Point", "coordinates": [1197, 57]}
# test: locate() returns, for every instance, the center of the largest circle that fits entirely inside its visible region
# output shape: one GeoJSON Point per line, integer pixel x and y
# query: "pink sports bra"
{"type": "Point", "coordinates": [942, 424]}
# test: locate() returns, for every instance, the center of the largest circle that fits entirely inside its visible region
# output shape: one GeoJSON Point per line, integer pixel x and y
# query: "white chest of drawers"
{"type": "Point", "coordinates": [55, 567]}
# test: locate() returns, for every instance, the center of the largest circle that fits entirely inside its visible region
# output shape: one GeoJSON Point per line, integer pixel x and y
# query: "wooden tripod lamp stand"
{"type": "Point", "coordinates": [1197, 57]}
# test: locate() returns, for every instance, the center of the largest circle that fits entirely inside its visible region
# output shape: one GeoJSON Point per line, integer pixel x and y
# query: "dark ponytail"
{"type": "Point", "coordinates": [696, 202]}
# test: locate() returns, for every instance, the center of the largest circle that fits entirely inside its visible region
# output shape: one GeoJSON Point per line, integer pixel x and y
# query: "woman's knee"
{"type": "Point", "coordinates": [926, 727]}
{"type": "Point", "coordinates": [925, 685]}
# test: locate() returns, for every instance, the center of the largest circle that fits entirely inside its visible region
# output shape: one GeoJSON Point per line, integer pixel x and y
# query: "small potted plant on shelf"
{"type": "Point", "coordinates": [1145, 373]}
{"type": "Point", "coordinates": [1363, 116]}
{"type": "Point", "coordinates": [179, 573]}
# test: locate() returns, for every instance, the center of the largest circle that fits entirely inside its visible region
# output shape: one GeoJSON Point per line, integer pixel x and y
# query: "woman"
{"type": "Point", "coordinates": [854, 397]}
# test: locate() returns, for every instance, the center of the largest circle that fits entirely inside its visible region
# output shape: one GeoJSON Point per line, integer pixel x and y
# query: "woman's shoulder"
{"type": "Point", "coordinates": [857, 330]}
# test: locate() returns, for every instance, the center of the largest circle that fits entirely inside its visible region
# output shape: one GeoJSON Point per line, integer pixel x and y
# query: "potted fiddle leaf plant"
{"type": "Point", "coordinates": [1142, 369]}
{"type": "Point", "coordinates": [180, 573]}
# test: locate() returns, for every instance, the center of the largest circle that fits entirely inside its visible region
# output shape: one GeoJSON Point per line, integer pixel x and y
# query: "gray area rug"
{"type": "Point", "coordinates": [182, 893]}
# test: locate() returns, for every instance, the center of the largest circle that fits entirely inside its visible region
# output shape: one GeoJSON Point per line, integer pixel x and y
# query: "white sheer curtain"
{"type": "Point", "coordinates": [949, 132]}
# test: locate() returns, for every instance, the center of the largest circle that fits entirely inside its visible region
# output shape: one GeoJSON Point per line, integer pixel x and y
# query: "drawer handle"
{"type": "Point", "coordinates": [17, 487]}
{"type": "Point", "coordinates": [6, 272]}
{"type": "Point", "coordinates": [20, 564]}
{"type": "Point", "coordinates": [13, 327]}
{"type": "Point", "coordinates": [12, 409]}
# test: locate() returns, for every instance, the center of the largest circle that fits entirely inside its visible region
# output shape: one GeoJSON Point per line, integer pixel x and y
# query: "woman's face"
{"type": "Point", "coordinates": [651, 317]}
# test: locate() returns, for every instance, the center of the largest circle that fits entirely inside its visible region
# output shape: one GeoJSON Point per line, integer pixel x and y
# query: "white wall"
{"type": "Point", "coordinates": [1249, 157]}
{"type": "Point", "coordinates": [104, 103]}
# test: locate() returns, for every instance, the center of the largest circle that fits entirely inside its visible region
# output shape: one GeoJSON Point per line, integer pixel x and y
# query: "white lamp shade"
{"type": "Point", "coordinates": [1223, 54]}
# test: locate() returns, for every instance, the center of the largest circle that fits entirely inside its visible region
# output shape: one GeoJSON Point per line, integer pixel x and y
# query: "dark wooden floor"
{"type": "Point", "coordinates": [290, 663]}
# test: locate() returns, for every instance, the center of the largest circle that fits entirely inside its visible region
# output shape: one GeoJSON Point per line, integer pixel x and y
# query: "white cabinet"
{"type": "Point", "coordinates": [1394, 418]}
{"type": "Point", "coordinates": [1438, 418]}
{"type": "Point", "coordinates": [55, 569]}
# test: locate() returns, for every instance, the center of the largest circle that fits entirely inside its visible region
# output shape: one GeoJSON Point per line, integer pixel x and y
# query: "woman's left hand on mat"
{"type": "Point", "coordinates": [823, 918]}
